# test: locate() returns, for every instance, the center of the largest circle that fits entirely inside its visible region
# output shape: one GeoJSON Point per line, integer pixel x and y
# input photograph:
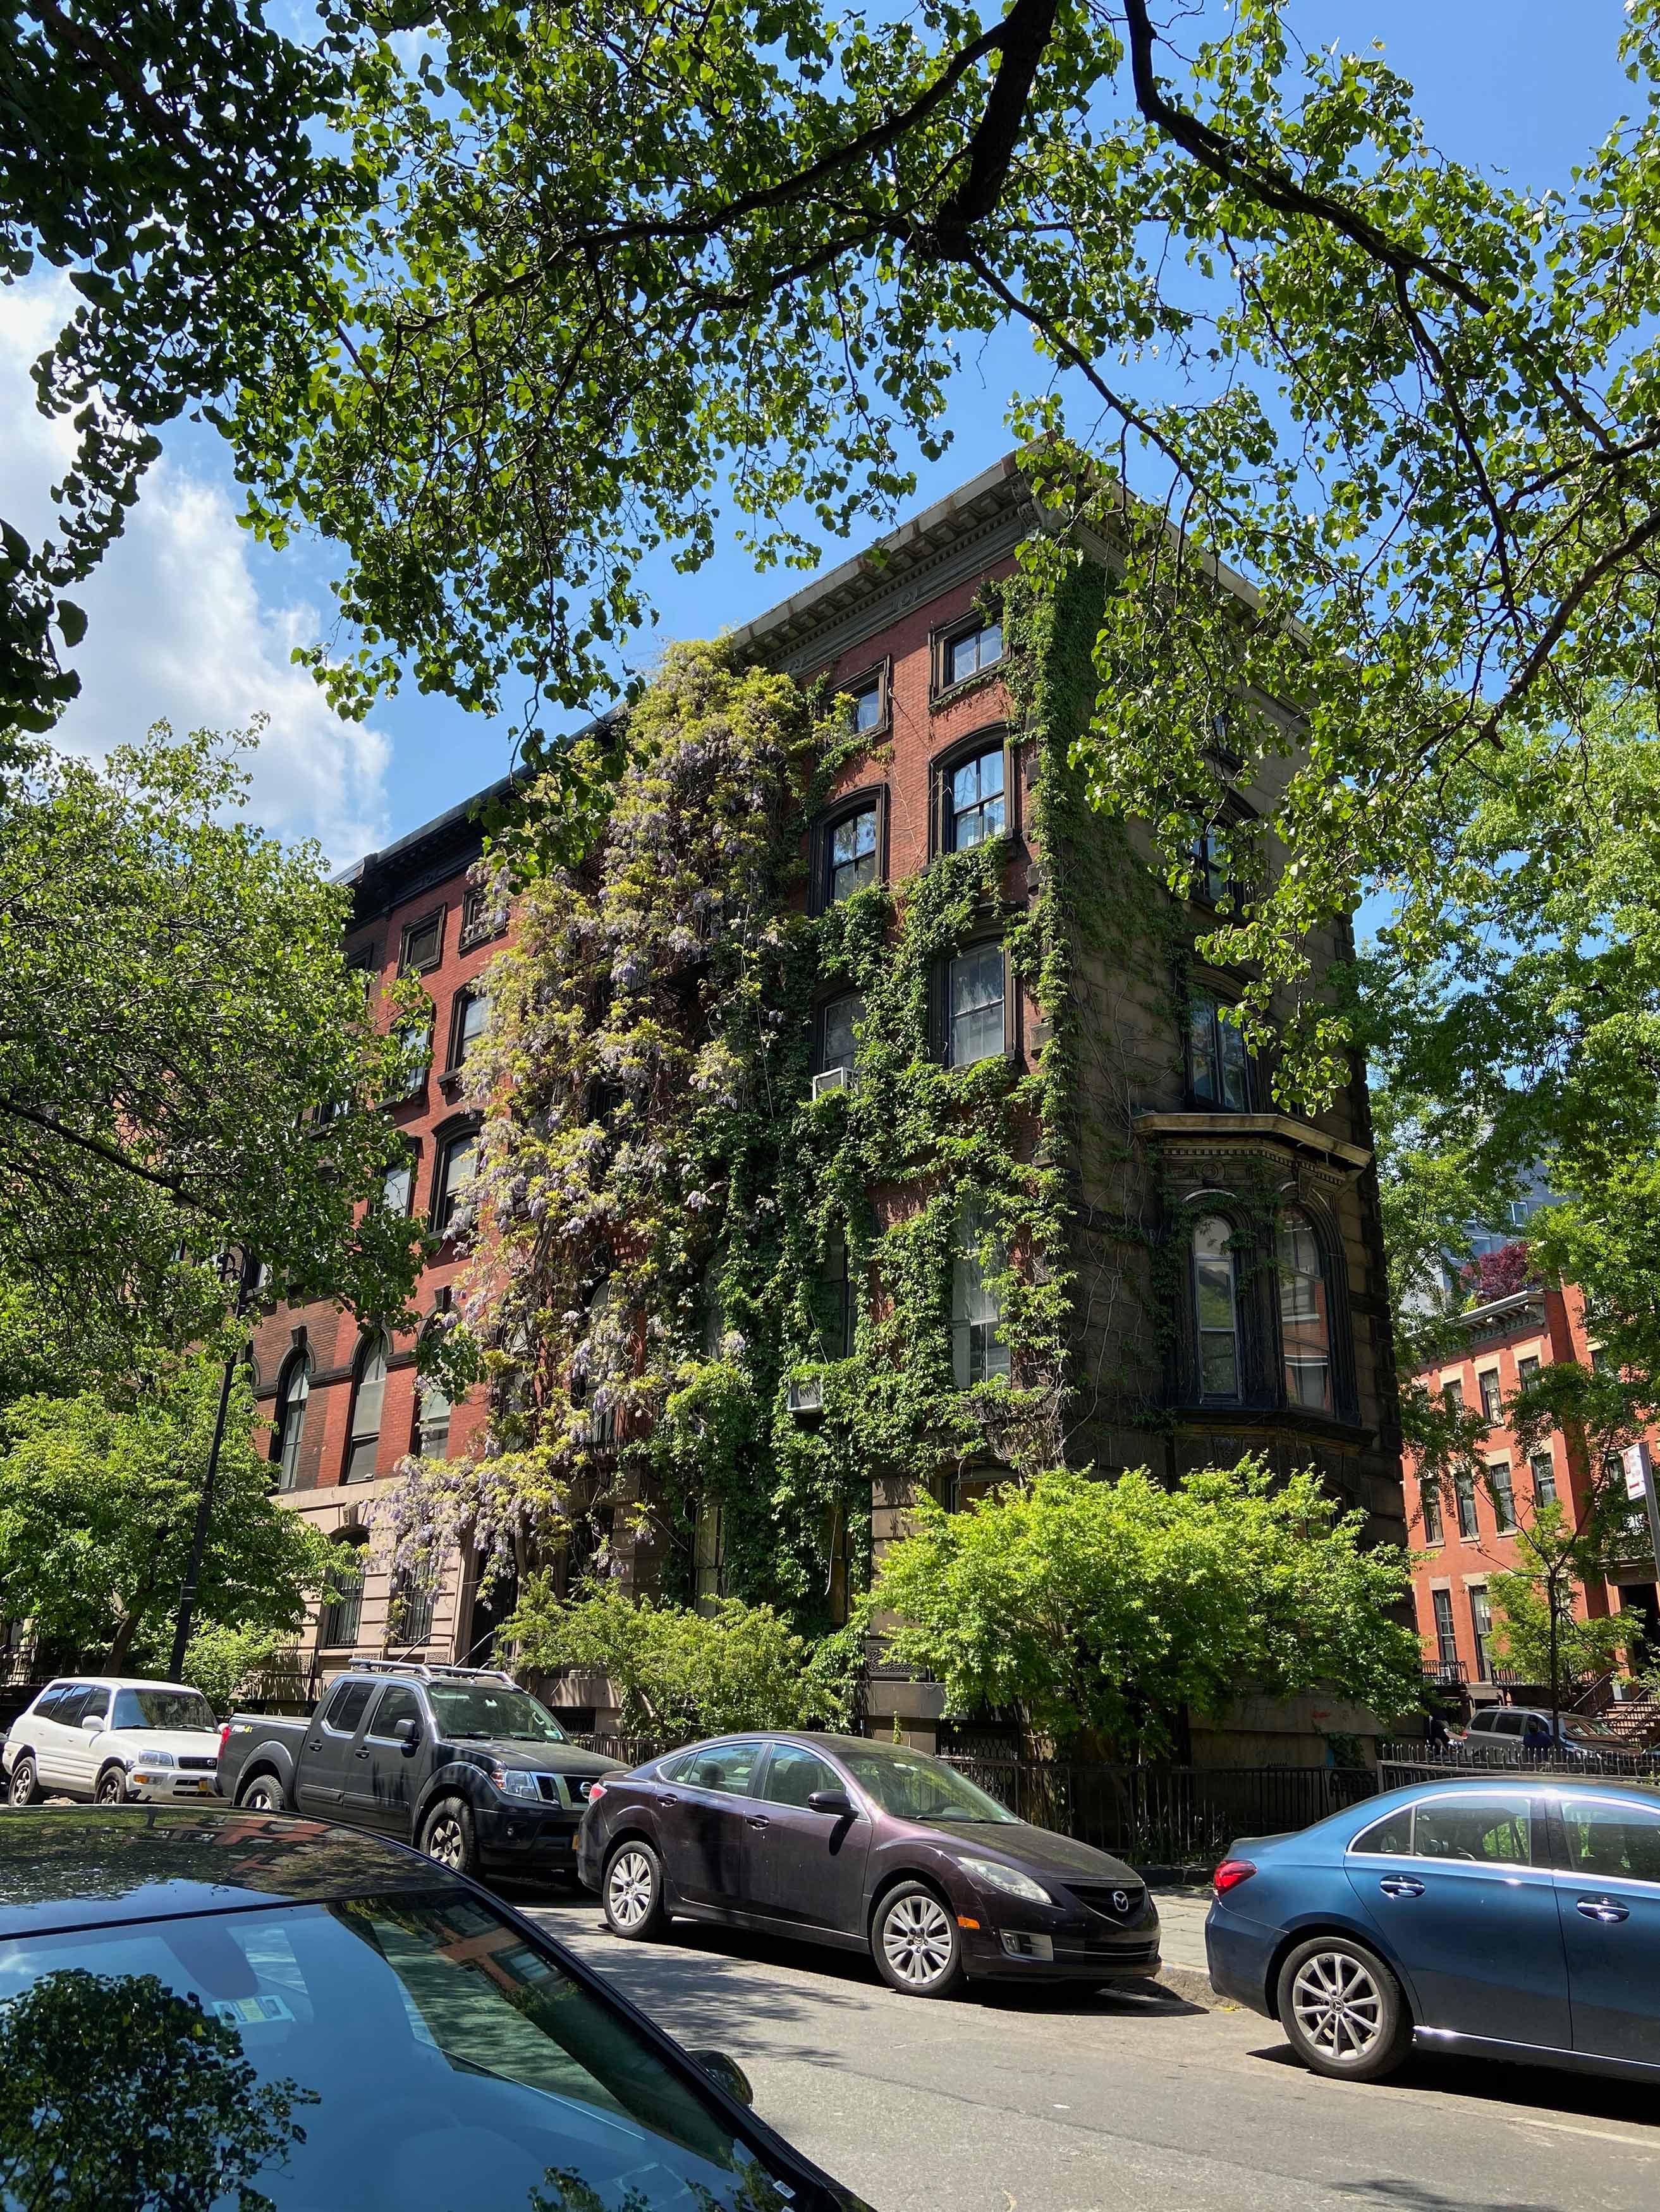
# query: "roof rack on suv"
{"type": "Point", "coordinates": [425, 1673]}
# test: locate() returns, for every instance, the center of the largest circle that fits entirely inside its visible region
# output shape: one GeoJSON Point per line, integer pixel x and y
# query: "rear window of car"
{"type": "Point", "coordinates": [726, 1767]}
{"type": "Point", "coordinates": [1508, 1723]}
{"type": "Point", "coordinates": [400, 2052]}
{"type": "Point", "coordinates": [1392, 1834]}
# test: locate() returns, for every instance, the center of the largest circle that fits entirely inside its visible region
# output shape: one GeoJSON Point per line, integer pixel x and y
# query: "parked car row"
{"type": "Point", "coordinates": [1514, 1736]}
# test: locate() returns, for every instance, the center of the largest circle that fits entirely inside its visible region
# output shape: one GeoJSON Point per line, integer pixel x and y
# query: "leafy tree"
{"type": "Point", "coordinates": [97, 1504]}
{"type": "Point", "coordinates": [1535, 1630]}
{"type": "Point", "coordinates": [116, 2091]}
{"type": "Point", "coordinates": [1101, 1608]}
{"type": "Point", "coordinates": [679, 1673]}
{"type": "Point", "coordinates": [221, 1661]}
{"type": "Point", "coordinates": [177, 1009]}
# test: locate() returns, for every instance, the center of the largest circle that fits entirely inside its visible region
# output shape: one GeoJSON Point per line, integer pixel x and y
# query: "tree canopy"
{"type": "Point", "coordinates": [178, 1022]}
{"type": "Point", "coordinates": [1103, 1607]}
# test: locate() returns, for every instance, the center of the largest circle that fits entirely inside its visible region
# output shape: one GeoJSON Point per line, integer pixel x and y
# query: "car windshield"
{"type": "Point", "coordinates": [918, 1788]}
{"type": "Point", "coordinates": [408, 2054]}
{"type": "Point", "coordinates": [161, 1709]}
{"type": "Point", "coordinates": [474, 1709]}
{"type": "Point", "coordinates": [1599, 1739]}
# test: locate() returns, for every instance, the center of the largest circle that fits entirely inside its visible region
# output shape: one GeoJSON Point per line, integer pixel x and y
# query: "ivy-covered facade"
{"type": "Point", "coordinates": [855, 1119]}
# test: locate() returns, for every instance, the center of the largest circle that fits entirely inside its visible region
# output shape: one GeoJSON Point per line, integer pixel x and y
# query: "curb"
{"type": "Point", "coordinates": [1191, 1984]}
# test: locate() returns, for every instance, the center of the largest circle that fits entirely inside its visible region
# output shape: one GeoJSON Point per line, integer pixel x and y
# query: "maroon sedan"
{"type": "Point", "coordinates": [864, 1846]}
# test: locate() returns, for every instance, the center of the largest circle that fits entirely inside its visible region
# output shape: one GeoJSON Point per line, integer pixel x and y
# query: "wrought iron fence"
{"type": "Point", "coordinates": [1167, 1815]}
{"type": "Point", "coordinates": [1400, 1764]}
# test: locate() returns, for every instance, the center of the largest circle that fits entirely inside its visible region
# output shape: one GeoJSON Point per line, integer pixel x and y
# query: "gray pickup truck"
{"type": "Point", "coordinates": [458, 1761]}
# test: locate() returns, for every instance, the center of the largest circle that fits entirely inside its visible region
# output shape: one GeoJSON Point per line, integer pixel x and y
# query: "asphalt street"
{"type": "Point", "coordinates": [1047, 2102]}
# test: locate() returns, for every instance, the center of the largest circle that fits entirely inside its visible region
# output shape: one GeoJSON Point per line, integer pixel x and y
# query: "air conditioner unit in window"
{"type": "Point", "coordinates": [807, 1397]}
{"type": "Point", "coordinates": [838, 1078]}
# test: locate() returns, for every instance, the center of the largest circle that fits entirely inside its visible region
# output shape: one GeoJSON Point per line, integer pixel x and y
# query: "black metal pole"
{"type": "Point", "coordinates": [204, 1502]}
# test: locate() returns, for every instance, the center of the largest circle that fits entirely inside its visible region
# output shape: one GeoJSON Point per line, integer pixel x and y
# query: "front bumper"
{"type": "Point", "coordinates": [534, 1838]}
{"type": "Point", "coordinates": [1018, 1941]}
{"type": "Point", "coordinates": [164, 1785]}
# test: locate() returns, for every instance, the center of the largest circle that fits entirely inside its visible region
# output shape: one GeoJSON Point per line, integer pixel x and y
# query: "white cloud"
{"type": "Point", "coordinates": [177, 630]}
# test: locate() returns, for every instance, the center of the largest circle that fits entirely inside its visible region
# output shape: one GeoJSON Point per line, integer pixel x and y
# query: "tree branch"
{"type": "Point", "coordinates": [110, 1154]}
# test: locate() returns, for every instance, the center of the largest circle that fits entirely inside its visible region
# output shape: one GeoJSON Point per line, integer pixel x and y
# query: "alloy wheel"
{"type": "Point", "coordinates": [917, 1940]}
{"type": "Point", "coordinates": [447, 1844]}
{"type": "Point", "coordinates": [23, 1782]}
{"type": "Point", "coordinates": [628, 1889]}
{"type": "Point", "coordinates": [110, 1791]}
{"type": "Point", "coordinates": [1339, 2007]}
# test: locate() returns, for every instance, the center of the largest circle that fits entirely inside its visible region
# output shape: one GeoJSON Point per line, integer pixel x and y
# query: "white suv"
{"type": "Point", "coordinates": [109, 1738]}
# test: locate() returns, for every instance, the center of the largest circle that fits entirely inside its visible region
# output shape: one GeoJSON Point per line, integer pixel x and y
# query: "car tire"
{"type": "Point", "coordinates": [111, 1787]}
{"type": "Point", "coordinates": [631, 1892]}
{"type": "Point", "coordinates": [916, 1944]}
{"type": "Point", "coordinates": [25, 1780]}
{"type": "Point", "coordinates": [447, 1836]}
{"type": "Point", "coordinates": [263, 1794]}
{"type": "Point", "coordinates": [1344, 2012]}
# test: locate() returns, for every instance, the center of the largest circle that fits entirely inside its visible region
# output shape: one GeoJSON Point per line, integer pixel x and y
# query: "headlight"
{"type": "Point", "coordinates": [514, 1782]}
{"type": "Point", "coordinates": [155, 1758]}
{"type": "Point", "coordinates": [996, 1875]}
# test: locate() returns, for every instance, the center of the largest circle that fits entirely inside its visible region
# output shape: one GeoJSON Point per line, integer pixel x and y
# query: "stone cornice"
{"type": "Point", "coordinates": [1212, 1136]}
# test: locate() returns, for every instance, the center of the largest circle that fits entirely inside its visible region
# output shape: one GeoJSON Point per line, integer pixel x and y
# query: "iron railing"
{"type": "Point", "coordinates": [1400, 1764]}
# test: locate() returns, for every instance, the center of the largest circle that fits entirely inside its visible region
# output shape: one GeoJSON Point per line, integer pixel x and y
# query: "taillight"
{"type": "Point", "coordinates": [594, 1792]}
{"type": "Point", "coordinates": [224, 1731]}
{"type": "Point", "coordinates": [1230, 1874]}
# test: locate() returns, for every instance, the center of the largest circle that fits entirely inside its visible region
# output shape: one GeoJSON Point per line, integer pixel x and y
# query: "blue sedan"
{"type": "Point", "coordinates": [1514, 1920]}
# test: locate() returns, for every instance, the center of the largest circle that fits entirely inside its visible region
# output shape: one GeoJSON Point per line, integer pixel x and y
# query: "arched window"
{"type": "Point", "coordinates": [1216, 1309]}
{"type": "Point", "coordinates": [369, 1394]}
{"type": "Point", "coordinates": [293, 1393]}
{"type": "Point", "coordinates": [1304, 1313]}
{"type": "Point", "coordinates": [341, 1614]}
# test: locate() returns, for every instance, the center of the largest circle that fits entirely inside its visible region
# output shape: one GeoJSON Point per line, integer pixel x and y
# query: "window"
{"type": "Point", "coordinates": [467, 1024]}
{"type": "Point", "coordinates": [870, 706]}
{"type": "Point", "coordinates": [368, 1392]}
{"type": "Point", "coordinates": [481, 917]}
{"type": "Point", "coordinates": [396, 1704]}
{"type": "Point", "coordinates": [1502, 1490]}
{"type": "Point", "coordinates": [1527, 1370]}
{"type": "Point", "coordinates": [1304, 1319]}
{"type": "Point", "coordinates": [1446, 1635]}
{"type": "Point", "coordinates": [1210, 873]}
{"type": "Point", "coordinates": [793, 1775]}
{"type": "Point", "coordinates": [339, 1624]}
{"type": "Point", "coordinates": [432, 1419]}
{"type": "Point", "coordinates": [838, 1033]}
{"type": "Point", "coordinates": [1617, 1841]}
{"type": "Point", "coordinates": [1429, 1501]}
{"type": "Point", "coordinates": [1493, 1831]}
{"type": "Point", "coordinates": [414, 1059]}
{"type": "Point", "coordinates": [293, 1393]}
{"type": "Point", "coordinates": [1481, 1623]}
{"type": "Point", "coordinates": [1492, 1403]}
{"type": "Point", "coordinates": [1221, 1067]}
{"type": "Point", "coordinates": [850, 844]}
{"type": "Point", "coordinates": [347, 1706]}
{"type": "Point", "coordinates": [836, 1309]}
{"type": "Point", "coordinates": [963, 652]}
{"type": "Point", "coordinates": [1391, 1837]}
{"type": "Point", "coordinates": [423, 943]}
{"type": "Point", "coordinates": [410, 1609]}
{"type": "Point", "coordinates": [728, 1767]}
{"type": "Point", "coordinates": [97, 1706]}
{"type": "Point", "coordinates": [974, 1008]}
{"type": "Point", "coordinates": [458, 1166]}
{"type": "Point", "coordinates": [974, 808]}
{"type": "Point", "coordinates": [979, 1352]}
{"type": "Point", "coordinates": [397, 1186]}
{"type": "Point", "coordinates": [1542, 1468]}
{"type": "Point", "coordinates": [709, 1555]}
{"type": "Point", "coordinates": [1463, 1488]}
{"type": "Point", "coordinates": [1216, 1310]}
{"type": "Point", "coordinates": [712, 1306]}
{"type": "Point", "coordinates": [1452, 1394]}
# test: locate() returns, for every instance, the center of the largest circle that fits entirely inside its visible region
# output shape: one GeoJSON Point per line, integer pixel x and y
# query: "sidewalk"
{"type": "Point", "coordinates": [1182, 1909]}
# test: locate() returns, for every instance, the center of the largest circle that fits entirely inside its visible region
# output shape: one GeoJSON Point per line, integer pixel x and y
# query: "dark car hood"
{"type": "Point", "coordinates": [1038, 1851]}
{"type": "Point", "coordinates": [545, 1758]}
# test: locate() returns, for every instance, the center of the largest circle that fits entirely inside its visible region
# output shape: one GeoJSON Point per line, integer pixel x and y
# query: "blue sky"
{"type": "Point", "coordinates": [192, 621]}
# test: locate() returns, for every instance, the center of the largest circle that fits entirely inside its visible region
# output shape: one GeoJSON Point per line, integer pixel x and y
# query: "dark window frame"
{"type": "Point", "coordinates": [942, 820]}
{"type": "Point", "coordinates": [468, 994]}
{"type": "Point", "coordinates": [825, 824]}
{"type": "Point", "coordinates": [944, 635]}
{"type": "Point", "coordinates": [285, 1458]}
{"type": "Point", "coordinates": [445, 1139]}
{"type": "Point", "coordinates": [942, 996]}
{"type": "Point", "coordinates": [412, 1160]}
{"type": "Point", "coordinates": [1429, 1507]}
{"type": "Point", "coordinates": [371, 1340]}
{"type": "Point", "coordinates": [877, 674]}
{"type": "Point", "coordinates": [1210, 991]}
{"type": "Point", "coordinates": [343, 1612]}
{"type": "Point", "coordinates": [821, 1060]}
{"type": "Point", "coordinates": [478, 925]}
{"type": "Point", "coordinates": [438, 917]}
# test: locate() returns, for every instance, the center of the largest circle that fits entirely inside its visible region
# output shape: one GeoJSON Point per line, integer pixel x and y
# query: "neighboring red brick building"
{"type": "Point", "coordinates": [1467, 1537]}
{"type": "Point", "coordinates": [1270, 1223]}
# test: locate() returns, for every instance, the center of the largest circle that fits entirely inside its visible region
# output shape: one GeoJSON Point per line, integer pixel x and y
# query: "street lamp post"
{"type": "Point", "coordinates": [246, 1276]}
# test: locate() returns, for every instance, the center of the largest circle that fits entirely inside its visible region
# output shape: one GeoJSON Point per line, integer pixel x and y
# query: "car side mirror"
{"type": "Point", "coordinates": [835, 1801]}
{"type": "Point", "coordinates": [93, 1723]}
{"type": "Point", "coordinates": [408, 1732]}
{"type": "Point", "coordinates": [727, 2074]}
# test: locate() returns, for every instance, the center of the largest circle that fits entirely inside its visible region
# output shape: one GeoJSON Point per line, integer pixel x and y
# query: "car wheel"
{"type": "Point", "coordinates": [447, 1836]}
{"type": "Point", "coordinates": [915, 1943]}
{"type": "Point", "coordinates": [25, 1782]}
{"type": "Point", "coordinates": [111, 1787]}
{"type": "Point", "coordinates": [263, 1794]}
{"type": "Point", "coordinates": [1342, 2010]}
{"type": "Point", "coordinates": [631, 1892]}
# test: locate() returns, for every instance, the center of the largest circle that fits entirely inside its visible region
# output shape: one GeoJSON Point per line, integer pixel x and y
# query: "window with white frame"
{"type": "Point", "coordinates": [975, 1008]}
{"type": "Point", "coordinates": [368, 1401]}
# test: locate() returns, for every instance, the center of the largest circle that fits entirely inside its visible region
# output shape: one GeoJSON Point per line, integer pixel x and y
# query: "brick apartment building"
{"type": "Point", "coordinates": [1229, 1256]}
{"type": "Point", "coordinates": [1466, 1538]}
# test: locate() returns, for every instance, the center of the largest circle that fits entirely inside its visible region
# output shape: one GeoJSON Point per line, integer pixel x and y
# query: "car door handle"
{"type": "Point", "coordinates": [315, 1744]}
{"type": "Point", "coordinates": [1401, 1885]}
{"type": "Point", "coordinates": [1603, 1909]}
{"type": "Point", "coordinates": [359, 1755]}
{"type": "Point", "coordinates": [667, 1800]}
{"type": "Point", "coordinates": [758, 1820]}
